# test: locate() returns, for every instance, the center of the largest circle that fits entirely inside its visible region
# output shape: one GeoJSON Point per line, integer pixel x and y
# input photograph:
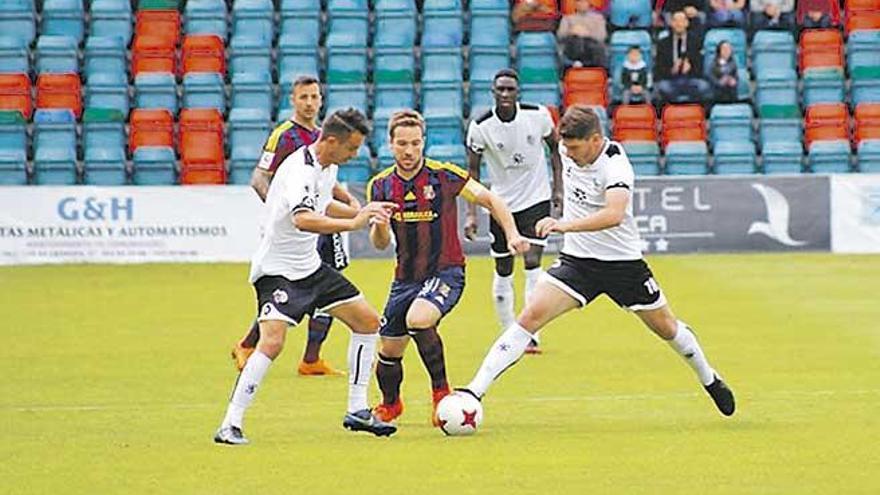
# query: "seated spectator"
{"type": "Point", "coordinates": [532, 14]}
{"type": "Point", "coordinates": [772, 14]}
{"type": "Point", "coordinates": [816, 14]}
{"type": "Point", "coordinates": [583, 36]}
{"type": "Point", "coordinates": [679, 65]}
{"type": "Point", "coordinates": [727, 13]}
{"type": "Point", "coordinates": [695, 10]}
{"type": "Point", "coordinates": [635, 78]}
{"type": "Point", "coordinates": [722, 73]}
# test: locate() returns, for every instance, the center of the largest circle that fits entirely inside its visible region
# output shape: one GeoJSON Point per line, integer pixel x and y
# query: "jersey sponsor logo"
{"type": "Point", "coordinates": [778, 215]}
{"type": "Point", "coordinates": [415, 216]}
{"type": "Point", "coordinates": [280, 296]}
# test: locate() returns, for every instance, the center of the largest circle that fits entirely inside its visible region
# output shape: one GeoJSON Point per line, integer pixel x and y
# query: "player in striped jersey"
{"type": "Point", "coordinates": [429, 277]}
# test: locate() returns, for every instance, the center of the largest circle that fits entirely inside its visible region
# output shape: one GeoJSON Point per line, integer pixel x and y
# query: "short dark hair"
{"type": "Point", "coordinates": [304, 81]}
{"type": "Point", "coordinates": [342, 123]}
{"type": "Point", "coordinates": [405, 118]}
{"type": "Point", "coordinates": [634, 47]}
{"type": "Point", "coordinates": [579, 122]}
{"type": "Point", "coordinates": [505, 73]}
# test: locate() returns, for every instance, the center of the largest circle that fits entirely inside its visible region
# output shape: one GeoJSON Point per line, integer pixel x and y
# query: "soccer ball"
{"type": "Point", "coordinates": [459, 414]}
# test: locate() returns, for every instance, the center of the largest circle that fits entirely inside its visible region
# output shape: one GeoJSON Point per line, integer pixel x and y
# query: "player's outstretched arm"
{"type": "Point", "coordinates": [556, 165]}
{"type": "Point", "coordinates": [479, 195]}
{"type": "Point", "coordinates": [260, 180]}
{"type": "Point", "coordinates": [380, 234]}
{"type": "Point", "coordinates": [310, 221]}
{"type": "Point", "coordinates": [470, 223]}
{"type": "Point", "coordinates": [339, 209]}
{"type": "Point", "coordinates": [341, 194]}
{"type": "Point", "coordinates": [610, 216]}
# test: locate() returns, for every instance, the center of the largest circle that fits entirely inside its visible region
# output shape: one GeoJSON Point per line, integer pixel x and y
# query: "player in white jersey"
{"type": "Point", "coordinates": [511, 137]}
{"type": "Point", "coordinates": [601, 255]}
{"type": "Point", "coordinates": [291, 281]}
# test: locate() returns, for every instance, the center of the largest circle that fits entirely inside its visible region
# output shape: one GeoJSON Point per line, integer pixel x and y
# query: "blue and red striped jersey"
{"type": "Point", "coordinates": [425, 224]}
{"type": "Point", "coordinates": [286, 138]}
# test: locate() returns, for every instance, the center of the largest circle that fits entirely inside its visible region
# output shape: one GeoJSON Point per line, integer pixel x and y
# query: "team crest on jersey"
{"type": "Point", "coordinates": [280, 296]}
{"type": "Point", "coordinates": [530, 139]}
{"type": "Point", "coordinates": [518, 159]}
{"type": "Point", "coordinates": [428, 192]}
{"type": "Point", "coordinates": [500, 145]}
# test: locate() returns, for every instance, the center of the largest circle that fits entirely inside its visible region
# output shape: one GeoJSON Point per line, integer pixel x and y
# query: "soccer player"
{"type": "Point", "coordinates": [300, 130]}
{"type": "Point", "coordinates": [511, 138]}
{"type": "Point", "coordinates": [292, 282]}
{"type": "Point", "coordinates": [601, 255]}
{"type": "Point", "coordinates": [429, 277]}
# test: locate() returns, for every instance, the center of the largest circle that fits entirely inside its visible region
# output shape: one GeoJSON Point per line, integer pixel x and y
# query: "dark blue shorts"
{"type": "Point", "coordinates": [442, 290]}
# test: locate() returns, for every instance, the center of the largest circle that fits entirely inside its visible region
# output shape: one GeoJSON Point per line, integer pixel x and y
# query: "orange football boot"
{"type": "Point", "coordinates": [436, 396]}
{"type": "Point", "coordinates": [389, 412]}
{"type": "Point", "coordinates": [318, 368]}
{"type": "Point", "coordinates": [240, 355]}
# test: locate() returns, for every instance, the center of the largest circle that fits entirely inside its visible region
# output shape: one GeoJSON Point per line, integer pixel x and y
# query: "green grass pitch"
{"type": "Point", "coordinates": [115, 378]}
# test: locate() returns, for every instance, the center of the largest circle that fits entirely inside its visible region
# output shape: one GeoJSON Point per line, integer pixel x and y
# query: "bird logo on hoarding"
{"type": "Point", "coordinates": [777, 224]}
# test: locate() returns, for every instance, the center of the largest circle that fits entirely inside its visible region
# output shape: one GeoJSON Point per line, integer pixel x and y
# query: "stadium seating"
{"type": "Point", "coordinates": [394, 67]}
{"type": "Point", "coordinates": [644, 156]}
{"type": "Point", "coordinates": [153, 54]}
{"type": "Point", "coordinates": [156, 90]}
{"type": "Point", "coordinates": [347, 66]}
{"type": "Point", "coordinates": [203, 53]}
{"type": "Point", "coordinates": [394, 30]}
{"type": "Point", "coordinates": [684, 139]}
{"type": "Point", "coordinates": [19, 22]}
{"type": "Point", "coordinates": [773, 50]}
{"type": "Point", "coordinates": [829, 156]}
{"type": "Point", "coordinates": [63, 18]}
{"type": "Point", "coordinates": [347, 31]}
{"type": "Point", "coordinates": [112, 18]}
{"type": "Point", "coordinates": [57, 54]}
{"type": "Point", "coordinates": [867, 122]}
{"type": "Point", "coordinates": [206, 17]}
{"type": "Point", "coordinates": [106, 90]}
{"type": "Point", "coordinates": [248, 129]}
{"type": "Point", "coordinates": [687, 158]}
{"type": "Point", "coordinates": [781, 148]}
{"type": "Point", "coordinates": [154, 166]}
{"type": "Point", "coordinates": [635, 123]}
{"type": "Point", "coordinates": [826, 122]}
{"type": "Point", "coordinates": [151, 127]}
{"type": "Point", "coordinates": [14, 57]}
{"type": "Point", "coordinates": [731, 139]}
{"type": "Point", "coordinates": [162, 25]}
{"type": "Point", "coordinates": [391, 98]}
{"type": "Point", "coordinates": [59, 91]}
{"type": "Point", "coordinates": [442, 67]}
{"type": "Point", "coordinates": [204, 90]}
{"type": "Point", "coordinates": [585, 86]}
{"type": "Point", "coordinates": [486, 62]}
{"type": "Point", "coordinates": [105, 55]}
{"type": "Point", "coordinates": [443, 30]}
{"type": "Point", "coordinates": [490, 30]}
{"type": "Point", "coordinates": [253, 91]}
{"type": "Point", "coordinates": [201, 147]}
{"type": "Point", "coordinates": [15, 93]}
{"type": "Point", "coordinates": [777, 95]}
{"type": "Point", "coordinates": [346, 95]}
{"type": "Point", "coordinates": [821, 48]}
{"type": "Point", "coordinates": [869, 156]}
{"type": "Point", "coordinates": [104, 147]}
{"type": "Point", "coordinates": [55, 147]}
{"type": "Point", "coordinates": [247, 54]}
{"type": "Point", "coordinates": [13, 146]}
{"type": "Point", "coordinates": [539, 20]}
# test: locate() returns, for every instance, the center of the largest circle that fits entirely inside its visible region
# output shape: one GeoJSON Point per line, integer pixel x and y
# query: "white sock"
{"type": "Point", "coordinates": [532, 277]}
{"type": "Point", "coordinates": [503, 295]}
{"type": "Point", "coordinates": [506, 351]}
{"type": "Point", "coordinates": [685, 343]}
{"type": "Point", "coordinates": [245, 388]}
{"type": "Point", "coordinates": [361, 349]}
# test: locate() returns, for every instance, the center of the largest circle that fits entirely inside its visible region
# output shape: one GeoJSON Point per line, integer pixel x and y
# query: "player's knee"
{"type": "Point", "coordinates": [420, 321]}
{"type": "Point", "coordinates": [271, 344]}
{"type": "Point", "coordinates": [504, 266]}
{"type": "Point", "coordinates": [530, 318]}
{"type": "Point", "coordinates": [369, 322]}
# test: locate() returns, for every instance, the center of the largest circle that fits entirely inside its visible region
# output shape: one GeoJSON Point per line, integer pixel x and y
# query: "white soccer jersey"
{"type": "Point", "coordinates": [301, 184]}
{"type": "Point", "coordinates": [585, 194]}
{"type": "Point", "coordinates": [514, 152]}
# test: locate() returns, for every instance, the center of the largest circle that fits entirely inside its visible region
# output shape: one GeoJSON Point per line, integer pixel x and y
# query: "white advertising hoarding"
{"type": "Point", "coordinates": [127, 224]}
{"type": "Point", "coordinates": [855, 213]}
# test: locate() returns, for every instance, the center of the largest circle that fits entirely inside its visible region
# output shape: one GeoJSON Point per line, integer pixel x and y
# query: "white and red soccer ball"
{"type": "Point", "coordinates": [459, 414]}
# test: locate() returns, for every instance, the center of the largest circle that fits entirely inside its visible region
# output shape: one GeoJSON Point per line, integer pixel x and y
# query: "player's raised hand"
{"type": "Point", "coordinates": [546, 226]}
{"type": "Point", "coordinates": [379, 211]}
{"type": "Point", "coordinates": [517, 244]}
{"type": "Point", "coordinates": [470, 227]}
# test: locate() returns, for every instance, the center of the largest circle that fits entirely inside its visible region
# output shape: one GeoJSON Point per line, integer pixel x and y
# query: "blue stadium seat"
{"type": "Point", "coordinates": [346, 31]}
{"type": "Point", "coordinates": [18, 21]}
{"type": "Point", "coordinates": [737, 39]}
{"type": "Point", "coordinates": [104, 150]}
{"type": "Point", "coordinates": [358, 169]}
{"type": "Point", "coordinates": [865, 91]}
{"type": "Point", "coordinates": [301, 8]}
{"type": "Point", "coordinates": [487, 6]}
{"type": "Point", "coordinates": [55, 147]}
{"type": "Point", "coordinates": [631, 13]}
{"type": "Point", "coordinates": [442, 67]}
{"type": "Point", "coordinates": [544, 94]}
{"type": "Point", "coordinates": [490, 30]}
{"type": "Point", "coordinates": [869, 156]}
{"type": "Point", "coordinates": [105, 54]}
{"type": "Point", "coordinates": [254, 18]}
{"type": "Point", "coordinates": [773, 50]}
{"type": "Point", "coordinates": [864, 69]}
{"type": "Point", "coordinates": [432, 6]}
{"type": "Point", "coordinates": [63, 18]}
{"type": "Point", "coordinates": [453, 153]}
{"type": "Point", "coordinates": [247, 54]}
{"type": "Point", "coordinates": [444, 30]}
{"type": "Point", "coordinates": [687, 158]}
{"type": "Point", "coordinates": [735, 157]}
{"type": "Point", "coordinates": [204, 90]}
{"type": "Point", "coordinates": [776, 95]}
{"type": "Point", "coordinates": [486, 62]}
{"type": "Point", "coordinates": [385, 7]}
{"type": "Point", "coordinates": [481, 99]}
{"type": "Point", "coordinates": [537, 68]}
{"type": "Point", "coordinates": [206, 17]}
{"type": "Point", "coordinates": [346, 95]}
{"type": "Point", "coordinates": [299, 32]}
{"type": "Point", "coordinates": [155, 90]}
{"type": "Point", "coordinates": [248, 129]}
{"type": "Point", "coordinates": [112, 18]}
{"type": "Point", "coordinates": [14, 55]}
{"type": "Point", "coordinates": [395, 31]}
{"type": "Point", "coordinates": [644, 156]}
{"type": "Point", "coordinates": [445, 132]}
{"type": "Point", "coordinates": [730, 123]}
{"type": "Point", "coordinates": [823, 86]}
{"type": "Point", "coordinates": [442, 101]}
{"type": "Point", "coordinates": [107, 90]}
{"type": "Point", "coordinates": [394, 66]}
{"type": "Point", "coordinates": [529, 43]}
{"type": "Point", "coordinates": [384, 157]}
{"type": "Point", "coordinates": [154, 166]}
{"type": "Point", "coordinates": [295, 62]}
{"type": "Point", "coordinates": [57, 54]}
{"type": "Point", "coordinates": [252, 91]}
{"type": "Point", "coordinates": [603, 118]}
{"type": "Point", "coordinates": [782, 157]}
{"type": "Point", "coordinates": [348, 6]}
{"type": "Point", "coordinates": [345, 66]}
{"type": "Point", "coordinates": [379, 136]}
{"type": "Point", "coordinates": [829, 157]}
{"type": "Point", "coordinates": [388, 99]}
{"type": "Point", "coordinates": [13, 149]}
{"type": "Point", "coordinates": [622, 40]}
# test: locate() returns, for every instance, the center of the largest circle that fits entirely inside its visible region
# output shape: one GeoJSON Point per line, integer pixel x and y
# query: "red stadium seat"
{"type": "Point", "coordinates": [60, 91]}
{"type": "Point", "coordinates": [867, 121]}
{"type": "Point", "coordinates": [162, 24]}
{"type": "Point", "coordinates": [862, 5]}
{"type": "Point", "coordinates": [201, 147]}
{"type": "Point", "coordinates": [15, 93]}
{"type": "Point", "coordinates": [569, 6]}
{"type": "Point", "coordinates": [829, 7]}
{"type": "Point", "coordinates": [585, 86]}
{"type": "Point", "coordinates": [635, 123]}
{"type": "Point", "coordinates": [542, 19]}
{"type": "Point", "coordinates": [683, 123]}
{"type": "Point", "coordinates": [151, 127]}
{"type": "Point", "coordinates": [821, 48]}
{"type": "Point", "coordinates": [863, 20]}
{"type": "Point", "coordinates": [151, 54]}
{"type": "Point", "coordinates": [826, 121]}
{"type": "Point", "coordinates": [203, 53]}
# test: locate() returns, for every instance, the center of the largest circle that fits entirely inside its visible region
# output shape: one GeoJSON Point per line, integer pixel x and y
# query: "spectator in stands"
{"type": "Point", "coordinates": [695, 10]}
{"type": "Point", "coordinates": [583, 34]}
{"type": "Point", "coordinates": [635, 78]}
{"type": "Point", "coordinates": [526, 8]}
{"type": "Point", "coordinates": [727, 13]}
{"type": "Point", "coordinates": [772, 14]}
{"type": "Point", "coordinates": [816, 14]}
{"type": "Point", "coordinates": [722, 73]}
{"type": "Point", "coordinates": [679, 65]}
